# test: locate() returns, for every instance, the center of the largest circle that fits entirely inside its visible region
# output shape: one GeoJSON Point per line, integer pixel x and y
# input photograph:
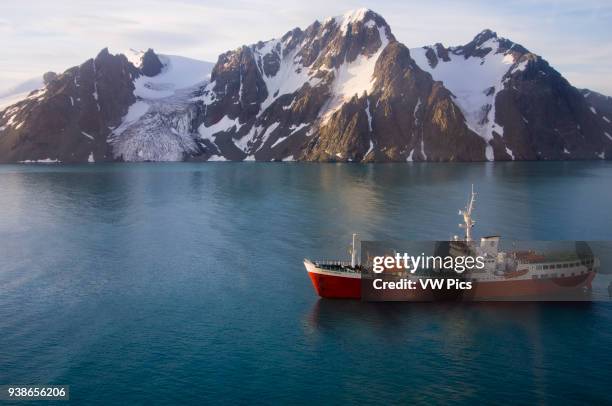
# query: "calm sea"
{"type": "Point", "coordinates": [157, 283]}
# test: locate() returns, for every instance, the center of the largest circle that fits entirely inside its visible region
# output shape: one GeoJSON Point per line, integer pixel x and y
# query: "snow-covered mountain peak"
{"type": "Point", "coordinates": [359, 15]}
{"type": "Point", "coordinates": [484, 36]}
{"type": "Point", "coordinates": [147, 62]}
{"type": "Point", "coordinates": [134, 56]}
{"type": "Point", "coordinates": [266, 91]}
{"type": "Point", "coordinates": [488, 42]}
{"type": "Point", "coordinates": [475, 73]}
{"type": "Point", "coordinates": [317, 55]}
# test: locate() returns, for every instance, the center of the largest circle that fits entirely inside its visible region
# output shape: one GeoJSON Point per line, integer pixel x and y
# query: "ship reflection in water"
{"type": "Point", "coordinates": [460, 348]}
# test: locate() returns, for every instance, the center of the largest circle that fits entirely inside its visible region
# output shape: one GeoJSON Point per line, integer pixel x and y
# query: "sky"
{"type": "Point", "coordinates": [39, 36]}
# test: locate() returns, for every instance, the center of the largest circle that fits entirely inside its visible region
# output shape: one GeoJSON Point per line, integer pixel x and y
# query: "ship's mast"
{"type": "Point", "coordinates": [468, 221]}
{"type": "Point", "coordinates": [354, 252]}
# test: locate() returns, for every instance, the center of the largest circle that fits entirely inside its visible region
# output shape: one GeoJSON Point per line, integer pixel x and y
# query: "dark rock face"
{"type": "Point", "coordinates": [546, 118]}
{"type": "Point", "coordinates": [49, 77]}
{"type": "Point", "coordinates": [69, 119]}
{"type": "Point", "coordinates": [600, 107]}
{"type": "Point", "coordinates": [151, 65]}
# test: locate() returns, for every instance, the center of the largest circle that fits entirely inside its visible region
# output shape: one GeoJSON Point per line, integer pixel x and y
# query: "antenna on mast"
{"type": "Point", "coordinates": [468, 221]}
{"type": "Point", "coordinates": [354, 251]}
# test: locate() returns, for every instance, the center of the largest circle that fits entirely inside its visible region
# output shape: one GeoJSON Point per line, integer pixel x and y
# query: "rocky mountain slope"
{"type": "Point", "coordinates": [340, 90]}
{"type": "Point", "coordinates": [512, 98]}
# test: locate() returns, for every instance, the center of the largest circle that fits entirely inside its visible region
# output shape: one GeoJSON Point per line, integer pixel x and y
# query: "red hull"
{"type": "Point", "coordinates": [336, 287]}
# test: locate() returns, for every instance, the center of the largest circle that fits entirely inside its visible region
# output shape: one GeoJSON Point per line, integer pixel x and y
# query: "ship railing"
{"type": "Point", "coordinates": [334, 263]}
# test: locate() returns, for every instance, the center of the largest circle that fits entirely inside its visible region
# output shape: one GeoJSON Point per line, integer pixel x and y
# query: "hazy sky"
{"type": "Point", "coordinates": [37, 36]}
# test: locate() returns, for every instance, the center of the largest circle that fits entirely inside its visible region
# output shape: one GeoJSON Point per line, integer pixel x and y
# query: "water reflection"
{"type": "Point", "coordinates": [464, 345]}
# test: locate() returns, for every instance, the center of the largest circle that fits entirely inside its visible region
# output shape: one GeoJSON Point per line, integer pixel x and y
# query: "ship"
{"type": "Point", "coordinates": [506, 275]}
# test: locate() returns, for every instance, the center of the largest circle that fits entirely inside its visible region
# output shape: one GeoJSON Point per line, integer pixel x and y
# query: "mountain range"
{"type": "Point", "coordinates": [339, 90]}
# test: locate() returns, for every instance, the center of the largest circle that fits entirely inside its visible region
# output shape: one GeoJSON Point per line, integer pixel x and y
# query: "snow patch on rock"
{"type": "Point", "coordinates": [293, 129]}
{"type": "Point", "coordinates": [370, 149]}
{"type": "Point", "coordinates": [178, 73]}
{"type": "Point", "coordinates": [266, 134]}
{"type": "Point", "coordinates": [87, 135]}
{"type": "Point", "coordinates": [367, 111]}
{"type": "Point", "coordinates": [223, 125]}
{"type": "Point", "coordinates": [351, 17]}
{"type": "Point", "coordinates": [475, 83]}
{"type": "Point", "coordinates": [409, 157]}
{"type": "Point", "coordinates": [291, 75]}
{"type": "Point", "coordinates": [354, 78]}
{"type": "Point", "coordinates": [41, 161]}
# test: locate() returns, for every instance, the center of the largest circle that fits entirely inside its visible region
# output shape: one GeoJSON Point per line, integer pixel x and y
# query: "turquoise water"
{"type": "Point", "coordinates": [156, 283]}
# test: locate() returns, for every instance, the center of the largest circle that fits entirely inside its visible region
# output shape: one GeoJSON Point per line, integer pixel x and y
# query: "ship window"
{"type": "Point", "coordinates": [562, 275]}
{"type": "Point", "coordinates": [545, 266]}
{"type": "Point", "coordinates": [565, 265]}
{"type": "Point", "coordinates": [572, 273]}
{"type": "Point", "coordinates": [539, 267]}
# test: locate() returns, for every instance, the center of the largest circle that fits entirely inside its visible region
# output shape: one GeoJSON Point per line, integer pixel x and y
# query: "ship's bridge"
{"type": "Point", "coordinates": [490, 244]}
